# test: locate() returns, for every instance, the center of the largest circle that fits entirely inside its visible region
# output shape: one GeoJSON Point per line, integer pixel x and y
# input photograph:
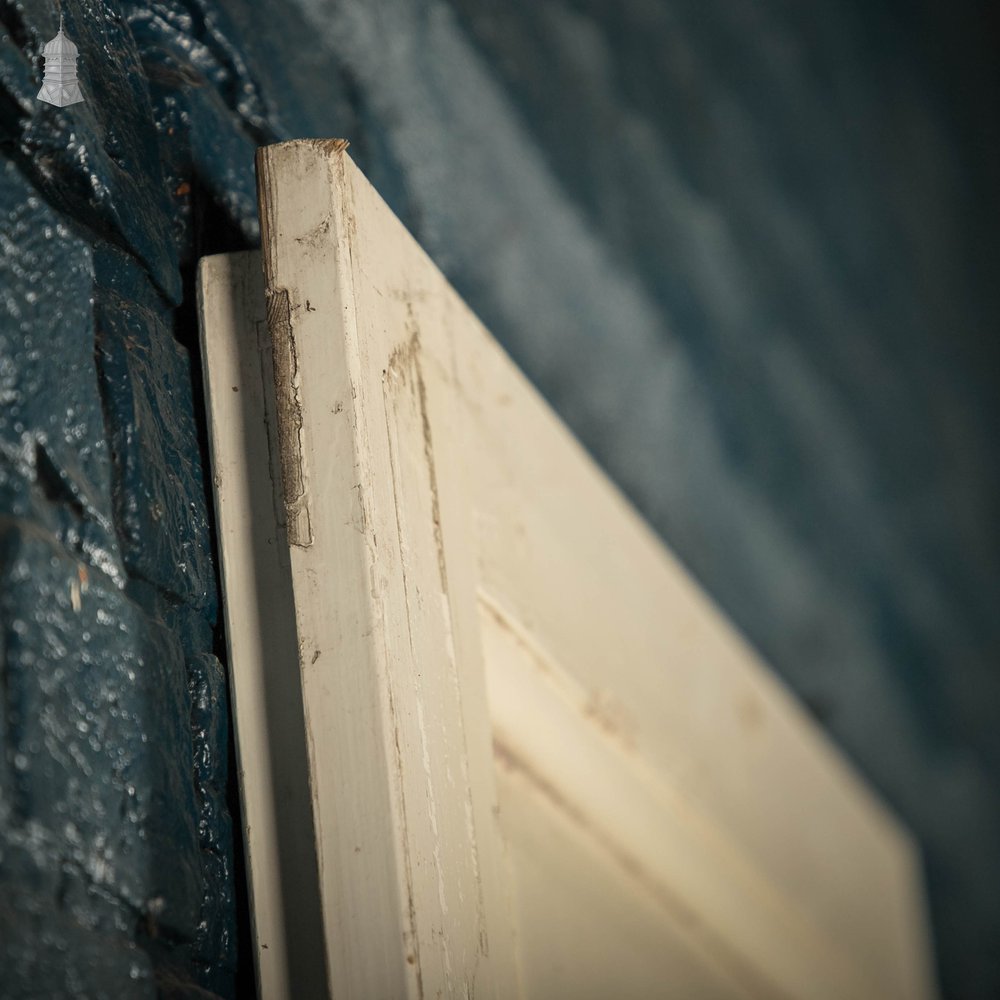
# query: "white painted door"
{"type": "Point", "coordinates": [493, 739]}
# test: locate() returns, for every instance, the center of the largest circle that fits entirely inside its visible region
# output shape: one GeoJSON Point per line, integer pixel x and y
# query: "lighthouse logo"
{"type": "Point", "coordinates": [59, 84]}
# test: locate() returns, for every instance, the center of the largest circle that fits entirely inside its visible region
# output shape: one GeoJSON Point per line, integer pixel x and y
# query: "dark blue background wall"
{"type": "Point", "coordinates": [749, 252]}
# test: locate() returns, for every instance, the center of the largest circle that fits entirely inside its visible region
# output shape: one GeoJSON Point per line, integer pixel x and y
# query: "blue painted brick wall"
{"type": "Point", "coordinates": [117, 873]}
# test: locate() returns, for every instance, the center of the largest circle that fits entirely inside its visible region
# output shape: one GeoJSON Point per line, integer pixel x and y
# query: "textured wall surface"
{"type": "Point", "coordinates": [116, 849]}
{"type": "Point", "coordinates": [749, 252]}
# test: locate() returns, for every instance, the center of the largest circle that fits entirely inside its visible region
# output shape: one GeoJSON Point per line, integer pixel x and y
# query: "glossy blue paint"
{"type": "Point", "coordinates": [116, 845]}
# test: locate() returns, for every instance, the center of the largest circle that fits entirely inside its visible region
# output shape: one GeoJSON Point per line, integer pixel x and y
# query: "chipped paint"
{"type": "Point", "coordinates": [289, 417]}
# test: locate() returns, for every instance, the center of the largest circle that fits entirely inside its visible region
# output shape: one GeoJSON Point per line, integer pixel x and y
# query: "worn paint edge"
{"type": "Point", "coordinates": [289, 417]}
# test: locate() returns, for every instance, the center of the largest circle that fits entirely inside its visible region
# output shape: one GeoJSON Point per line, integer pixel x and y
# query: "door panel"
{"type": "Point", "coordinates": [539, 761]}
